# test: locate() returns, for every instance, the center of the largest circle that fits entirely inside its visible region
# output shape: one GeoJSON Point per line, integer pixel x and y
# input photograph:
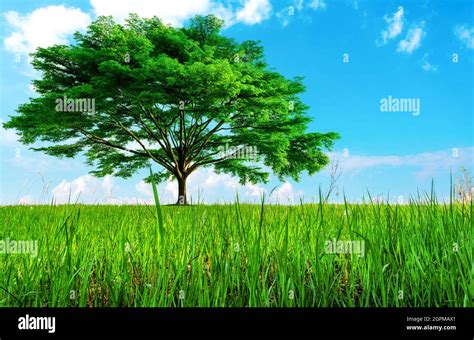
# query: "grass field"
{"type": "Point", "coordinates": [238, 255]}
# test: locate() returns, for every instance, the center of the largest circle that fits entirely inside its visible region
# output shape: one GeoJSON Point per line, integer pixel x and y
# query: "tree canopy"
{"type": "Point", "coordinates": [174, 96]}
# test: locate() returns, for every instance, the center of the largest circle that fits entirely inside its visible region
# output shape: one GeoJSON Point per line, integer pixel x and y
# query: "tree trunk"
{"type": "Point", "coordinates": [181, 191]}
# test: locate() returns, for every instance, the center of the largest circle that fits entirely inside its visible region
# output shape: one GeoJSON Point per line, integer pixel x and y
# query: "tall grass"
{"type": "Point", "coordinates": [236, 255]}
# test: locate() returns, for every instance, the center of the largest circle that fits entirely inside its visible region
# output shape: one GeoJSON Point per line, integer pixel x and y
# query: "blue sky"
{"type": "Point", "coordinates": [352, 54]}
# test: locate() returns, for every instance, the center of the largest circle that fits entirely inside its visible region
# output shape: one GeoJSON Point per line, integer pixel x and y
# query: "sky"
{"type": "Point", "coordinates": [359, 59]}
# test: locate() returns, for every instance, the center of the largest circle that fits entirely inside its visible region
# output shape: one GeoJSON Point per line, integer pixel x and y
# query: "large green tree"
{"type": "Point", "coordinates": [175, 96]}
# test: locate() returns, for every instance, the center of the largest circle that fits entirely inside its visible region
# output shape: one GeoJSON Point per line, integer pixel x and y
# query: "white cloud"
{"type": "Point", "coordinates": [299, 4]}
{"type": "Point", "coordinates": [178, 11]}
{"type": "Point", "coordinates": [27, 200]}
{"type": "Point", "coordinates": [466, 35]}
{"type": "Point", "coordinates": [283, 16]}
{"type": "Point", "coordinates": [427, 66]}
{"type": "Point", "coordinates": [395, 25]}
{"type": "Point", "coordinates": [286, 194]}
{"type": "Point", "coordinates": [171, 190]}
{"type": "Point", "coordinates": [32, 89]}
{"type": "Point", "coordinates": [107, 185]}
{"type": "Point", "coordinates": [88, 189]}
{"type": "Point", "coordinates": [8, 137]}
{"type": "Point", "coordinates": [286, 14]}
{"type": "Point", "coordinates": [254, 11]}
{"type": "Point", "coordinates": [204, 185]}
{"type": "Point", "coordinates": [427, 163]}
{"type": "Point", "coordinates": [412, 40]}
{"type": "Point", "coordinates": [173, 12]}
{"type": "Point", "coordinates": [167, 192]}
{"type": "Point", "coordinates": [224, 13]}
{"type": "Point", "coordinates": [298, 10]}
{"type": "Point", "coordinates": [208, 187]}
{"type": "Point", "coordinates": [318, 4]}
{"type": "Point", "coordinates": [83, 189]}
{"type": "Point", "coordinates": [355, 4]}
{"type": "Point", "coordinates": [213, 180]}
{"type": "Point", "coordinates": [254, 190]}
{"type": "Point", "coordinates": [43, 27]}
{"type": "Point", "coordinates": [135, 146]}
{"type": "Point", "coordinates": [144, 188]}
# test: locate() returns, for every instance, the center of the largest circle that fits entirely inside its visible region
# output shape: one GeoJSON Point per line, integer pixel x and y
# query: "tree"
{"type": "Point", "coordinates": [125, 95]}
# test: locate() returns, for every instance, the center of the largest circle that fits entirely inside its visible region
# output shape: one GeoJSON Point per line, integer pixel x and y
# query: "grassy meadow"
{"type": "Point", "coordinates": [236, 255]}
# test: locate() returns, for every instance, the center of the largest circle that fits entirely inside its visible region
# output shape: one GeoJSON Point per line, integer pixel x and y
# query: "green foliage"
{"type": "Point", "coordinates": [173, 96]}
